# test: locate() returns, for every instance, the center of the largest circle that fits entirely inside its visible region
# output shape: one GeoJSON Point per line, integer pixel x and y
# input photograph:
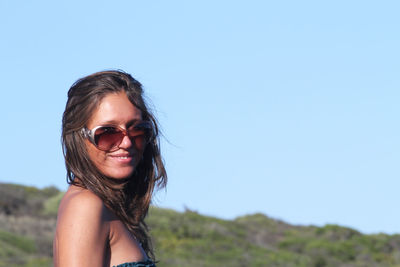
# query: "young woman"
{"type": "Point", "coordinates": [111, 149]}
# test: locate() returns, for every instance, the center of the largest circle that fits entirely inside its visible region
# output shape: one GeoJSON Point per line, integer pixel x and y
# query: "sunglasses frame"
{"type": "Point", "coordinates": [90, 134]}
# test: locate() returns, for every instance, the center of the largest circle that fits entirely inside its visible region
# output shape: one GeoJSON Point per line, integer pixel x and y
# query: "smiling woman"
{"type": "Point", "coordinates": [114, 150]}
{"type": "Point", "coordinates": [113, 161]}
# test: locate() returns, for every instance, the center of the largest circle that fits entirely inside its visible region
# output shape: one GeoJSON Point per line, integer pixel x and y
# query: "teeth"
{"type": "Point", "coordinates": [122, 157]}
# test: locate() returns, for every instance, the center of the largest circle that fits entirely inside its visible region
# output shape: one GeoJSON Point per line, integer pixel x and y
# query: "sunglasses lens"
{"type": "Point", "coordinates": [108, 138]}
{"type": "Point", "coordinates": [140, 133]}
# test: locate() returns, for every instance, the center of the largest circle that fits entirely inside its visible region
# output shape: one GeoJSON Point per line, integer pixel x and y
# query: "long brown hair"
{"type": "Point", "coordinates": [130, 198]}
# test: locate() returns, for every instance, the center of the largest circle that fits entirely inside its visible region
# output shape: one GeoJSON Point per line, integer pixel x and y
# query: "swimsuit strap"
{"type": "Point", "coordinates": [147, 263]}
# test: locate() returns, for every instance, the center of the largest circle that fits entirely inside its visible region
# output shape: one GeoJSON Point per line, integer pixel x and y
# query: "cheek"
{"type": "Point", "coordinates": [96, 156]}
{"type": "Point", "coordinates": [108, 166]}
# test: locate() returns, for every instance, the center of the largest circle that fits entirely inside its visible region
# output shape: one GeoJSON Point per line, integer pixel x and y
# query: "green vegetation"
{"type": "Point", "coordinates": [50, 205]}
{"type": "Point", "coordinates": [28, 218]}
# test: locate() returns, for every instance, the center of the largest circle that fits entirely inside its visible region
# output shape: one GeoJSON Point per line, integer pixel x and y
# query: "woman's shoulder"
{"type": "Point", "coordinates": [82, 228]}
{"type": "Point", "coordinates": [80, 204]}
{"type": "Point", "coordinates": [81, 199]}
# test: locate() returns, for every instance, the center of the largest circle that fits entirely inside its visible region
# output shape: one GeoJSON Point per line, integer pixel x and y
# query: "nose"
{"type": "Point", "coordinates": [126, 142]}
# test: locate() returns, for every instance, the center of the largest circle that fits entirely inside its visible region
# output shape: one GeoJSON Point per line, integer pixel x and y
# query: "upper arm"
{"type": "Point", "coordinates": [82, 232]}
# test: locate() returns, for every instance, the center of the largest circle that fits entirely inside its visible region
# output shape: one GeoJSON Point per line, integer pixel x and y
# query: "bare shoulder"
{"type": "Point", "coordinates": [79, 201]}
{"type": "Point", "coordinates": [82, 228]}
{"type": "Point", "coordinates": [81, 210]}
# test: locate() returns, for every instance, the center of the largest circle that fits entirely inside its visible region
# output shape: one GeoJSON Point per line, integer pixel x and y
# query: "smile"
{"type": "Point", "coordinates": [122, 158]}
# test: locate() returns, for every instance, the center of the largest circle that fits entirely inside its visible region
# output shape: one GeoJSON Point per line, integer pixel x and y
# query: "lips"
{"type": "Point", "coordinates": [122, 157]}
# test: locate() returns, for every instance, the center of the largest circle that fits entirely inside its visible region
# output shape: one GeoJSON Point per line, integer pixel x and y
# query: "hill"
{"type": "Point", "coordinates": [28, 217]}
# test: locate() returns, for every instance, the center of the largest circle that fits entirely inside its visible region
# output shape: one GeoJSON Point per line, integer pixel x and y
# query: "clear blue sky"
{"type": "Point", "coordinates": [289, 108]}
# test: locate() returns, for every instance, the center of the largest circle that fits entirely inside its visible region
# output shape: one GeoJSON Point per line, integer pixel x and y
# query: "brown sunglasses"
{"type": "Point", "coordinates": [108, 138]}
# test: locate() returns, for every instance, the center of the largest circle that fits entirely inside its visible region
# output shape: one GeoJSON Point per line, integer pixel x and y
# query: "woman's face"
{"type": "Point", "coordinates": [115, 109]}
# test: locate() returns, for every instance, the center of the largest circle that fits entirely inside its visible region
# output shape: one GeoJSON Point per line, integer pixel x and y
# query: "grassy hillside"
{"type": "Point", "coordinates": [28, 217]}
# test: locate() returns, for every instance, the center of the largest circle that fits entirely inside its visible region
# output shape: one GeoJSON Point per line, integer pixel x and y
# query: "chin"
{"type": "Point", "coordinates": [120, 174]}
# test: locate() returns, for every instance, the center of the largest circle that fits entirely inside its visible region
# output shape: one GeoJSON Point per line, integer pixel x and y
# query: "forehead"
{"type": "Point", "coordinates": [114, 108]}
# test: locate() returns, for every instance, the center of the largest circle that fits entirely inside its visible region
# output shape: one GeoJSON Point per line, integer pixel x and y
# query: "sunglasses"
{"type": "Point", "coordinates": [108, 138]}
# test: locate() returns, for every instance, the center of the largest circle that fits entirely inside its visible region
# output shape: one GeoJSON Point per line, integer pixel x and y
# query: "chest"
{"type": "Point", "coordinates": [123, 247]}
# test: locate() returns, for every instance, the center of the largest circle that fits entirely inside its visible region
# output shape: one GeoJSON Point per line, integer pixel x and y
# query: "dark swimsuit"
{"type": "Point", "coordinates": [147, 263]}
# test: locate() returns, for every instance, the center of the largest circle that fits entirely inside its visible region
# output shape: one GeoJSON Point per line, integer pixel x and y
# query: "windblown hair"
{"type": "Point", "coordinates": [130, 198]}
